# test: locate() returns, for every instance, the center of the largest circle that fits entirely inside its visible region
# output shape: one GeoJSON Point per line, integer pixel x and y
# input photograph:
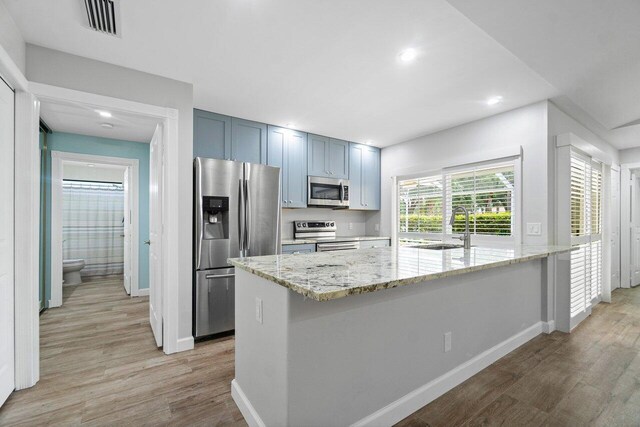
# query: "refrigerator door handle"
{"type": "Point", "coordinates": [247, 207]}
{"type": "Point", "coordinates": [241, 214]}
{"type": "Point", "coordinates": [199, 214]}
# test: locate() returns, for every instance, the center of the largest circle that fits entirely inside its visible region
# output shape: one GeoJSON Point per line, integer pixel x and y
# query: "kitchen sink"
{"type": "Point", "coordinates": [436, 246]}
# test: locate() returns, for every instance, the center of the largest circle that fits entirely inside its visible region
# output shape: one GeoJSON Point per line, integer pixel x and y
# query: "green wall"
{"type": "Point", "coordinates": [72, 143]}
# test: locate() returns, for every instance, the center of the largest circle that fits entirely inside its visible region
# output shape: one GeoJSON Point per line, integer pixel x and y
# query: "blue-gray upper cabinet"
{"type": "Point", "coordinates": [364, 177]}
{"type": "Point", "coordinates": [328, 157]}
{"type": "Point", "coordinates": [211, 135]}
{"type": "Point", "coordinates": [248, 141]}
{"type": "Point", "coordinates": [287, 149]}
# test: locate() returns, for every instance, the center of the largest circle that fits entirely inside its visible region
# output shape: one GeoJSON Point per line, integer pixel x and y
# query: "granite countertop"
{"type": "Point", "coordinates": [336, 239]}
{"type": "Point", "coordinates": [324, 276]}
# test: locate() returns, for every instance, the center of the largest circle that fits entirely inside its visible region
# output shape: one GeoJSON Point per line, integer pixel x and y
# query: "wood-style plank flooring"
{"type": "Point", "coordinates": [100, 366]}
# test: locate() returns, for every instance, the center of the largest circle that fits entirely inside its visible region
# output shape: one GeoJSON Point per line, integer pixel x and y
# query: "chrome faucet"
{"type": "Point", "coordinates": [466, 237]}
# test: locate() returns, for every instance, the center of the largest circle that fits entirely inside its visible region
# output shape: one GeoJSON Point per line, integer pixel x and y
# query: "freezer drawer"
{"type": "Point", "coordinates": [214, 301]}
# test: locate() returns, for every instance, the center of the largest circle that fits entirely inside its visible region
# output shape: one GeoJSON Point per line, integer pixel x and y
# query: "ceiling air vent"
{"type": "Point", "coordinates": [104, 16]}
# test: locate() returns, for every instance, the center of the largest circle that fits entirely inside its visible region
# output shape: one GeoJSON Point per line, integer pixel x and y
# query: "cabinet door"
{"type": "Point", "coordinates": [248, 141]}
{"type": "Point", "coordinates": [295, 165]}
{"type": "Point", "coordinates": [338, 158]}
{"type": "Point", "coordinates": [211, 135]}
{"type": "Point", "coordinates": [275, 157]}
{"type": "Point", "coordinates": [356, 200]}
{"type": "Point", "coordinates": [318, 148]}
{"type": "Point", "coordinates": [371, 178]}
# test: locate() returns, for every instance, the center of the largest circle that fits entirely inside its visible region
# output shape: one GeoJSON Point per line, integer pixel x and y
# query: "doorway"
{"type": "Point", "coordinates": [94, 220]}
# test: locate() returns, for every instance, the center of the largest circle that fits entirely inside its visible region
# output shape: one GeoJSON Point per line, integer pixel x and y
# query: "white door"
{"type": "Point", "coordinates": [127, 232]}
{"type": "Point", "coordinates": [615, 229]}
{"type": "Point", "coordinates": [156, 165]}
{"type": "Point", "coordinates": [635, 231]}
{"type": "Point", "coordinates": [6, 243]}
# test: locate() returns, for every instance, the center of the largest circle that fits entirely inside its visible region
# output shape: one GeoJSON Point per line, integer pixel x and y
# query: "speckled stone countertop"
{"type": "Point", "coordinates": [337, 239]}
{"type": "Point", "coordinates": [325, 276]}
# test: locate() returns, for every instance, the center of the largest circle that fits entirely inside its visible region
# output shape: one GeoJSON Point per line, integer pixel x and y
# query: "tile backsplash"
{"type": "Point", "coordinates": [342, 218]}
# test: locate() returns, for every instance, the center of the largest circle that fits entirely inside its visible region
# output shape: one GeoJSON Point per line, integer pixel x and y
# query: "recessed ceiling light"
{"type": "Point", "coordinates": [408, 55]}
{"type": "Point", "coordinates": [90, 165]}
{"type": "Point", "coordinates": [107, 125]}
{"type": "Point", "coordinates": [105, 114]}
{"type": "Point", "coordinates": [368, 142]}
{"type": "Point", "coordinates": [291, 125]}
{"type": "Point", "coordinates": [494, 100]}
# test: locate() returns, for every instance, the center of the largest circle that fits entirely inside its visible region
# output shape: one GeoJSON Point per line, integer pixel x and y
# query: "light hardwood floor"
{"type": "Point", "coordinates": [100, 367]}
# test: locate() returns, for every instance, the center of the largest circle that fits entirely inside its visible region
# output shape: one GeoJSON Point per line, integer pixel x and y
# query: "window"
{"type": "Point", "coordinates": [586, 235]}
{"type": "Point", "coordinates": [487, 191]}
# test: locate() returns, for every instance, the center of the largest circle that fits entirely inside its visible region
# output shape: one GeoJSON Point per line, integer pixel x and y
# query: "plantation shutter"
{"type": "Point", "coordinates": [420, 207]}
{"type": "Point", "coordinates": [487, 192]}
{"type": "Point", "coordinates": [586, 235]}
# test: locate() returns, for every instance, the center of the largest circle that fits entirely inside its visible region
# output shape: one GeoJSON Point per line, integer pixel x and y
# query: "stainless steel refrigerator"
{"type": "Point", "coordinates": [237, 214]}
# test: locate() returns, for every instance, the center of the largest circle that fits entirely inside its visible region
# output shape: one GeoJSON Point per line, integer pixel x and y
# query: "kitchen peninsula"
{"type": "Point", "coordinates": [366, 337]}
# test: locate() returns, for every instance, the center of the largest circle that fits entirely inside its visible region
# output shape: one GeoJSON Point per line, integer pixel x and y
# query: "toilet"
{"type": "Point", "coordinates": [71, 271]}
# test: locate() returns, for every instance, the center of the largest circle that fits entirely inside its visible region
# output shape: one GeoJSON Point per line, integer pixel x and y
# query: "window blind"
{"type": "Point", "coordinates": [487, 191]}
{"type": "Point", "coordinates": [586, 235]}
{"type": "Point", "coordinates": [488, 194]}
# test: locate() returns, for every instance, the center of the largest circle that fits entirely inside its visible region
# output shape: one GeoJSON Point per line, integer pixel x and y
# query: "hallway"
{"type": "Point", "coordinates": [100, 366]}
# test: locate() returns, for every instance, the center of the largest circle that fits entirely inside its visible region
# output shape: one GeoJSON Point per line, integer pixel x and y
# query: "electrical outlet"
{"type": "Point", "coordinates": [350, 226]}
{"type": "Point", "coordinates": [377, 227]}
{"type": "Point", "coordinates": [258, 310]}
{"type": "Point", "coordinates": [534, 229]}
{"type": "Point", "coordinates": [447, 342]}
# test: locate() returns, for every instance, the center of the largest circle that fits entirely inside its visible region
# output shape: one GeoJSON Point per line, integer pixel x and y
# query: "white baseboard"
{"type": "Point", "coordinates": [248, 411]}
{"type": "Point", "coordinates": [548, 327]}
{"type": "Point", "coordinates": [421, 396]}
{"type": "Point", "coordinates": [184, 344]}
{"type": "Point", "coordinates": [143, 292]}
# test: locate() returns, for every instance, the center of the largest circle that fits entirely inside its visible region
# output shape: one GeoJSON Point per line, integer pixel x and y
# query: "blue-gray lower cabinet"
{"type": "Point", "coordinates": [364, 177]}
{"type": "Point", "coordinates": [287, 149]}
{"type": "Point", "coordinates": [211, 135]}
{"type": "Point", "coordinates": [328, 157]}
{"type": "Point", "coordinates": [248, 141]}
{"type": "Point", "coordinates": [298, 249]}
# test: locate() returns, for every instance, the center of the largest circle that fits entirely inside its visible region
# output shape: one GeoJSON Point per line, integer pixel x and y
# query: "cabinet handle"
{"type": "Point", "coordinates": [290, 201]}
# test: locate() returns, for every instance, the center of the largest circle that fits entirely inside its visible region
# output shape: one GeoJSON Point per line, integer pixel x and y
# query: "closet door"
{"type": "Point", "coordinates": [6, 243]}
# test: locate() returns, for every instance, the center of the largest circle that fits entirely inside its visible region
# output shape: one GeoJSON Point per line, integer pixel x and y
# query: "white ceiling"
{"type": "Point", "coordinates": [84, 120]}
{"type": "Point", "coordinates": [588, 49]}
{"type": "Point", "coordinates": [330, 67]}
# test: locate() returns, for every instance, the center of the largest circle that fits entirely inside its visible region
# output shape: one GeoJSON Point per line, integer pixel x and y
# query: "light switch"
{"type": "Point", "coordinates": [534, 229]}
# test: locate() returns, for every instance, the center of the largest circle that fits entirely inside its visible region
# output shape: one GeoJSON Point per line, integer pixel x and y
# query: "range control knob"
{"type": "Point", "coordinates": [304, 224]}
{"type": "Point", "coordinates": [327, 224]}
{"type": "Point", "coordinates": [333, 224]}
{"type": "Point", "coordinates": [298, 224]}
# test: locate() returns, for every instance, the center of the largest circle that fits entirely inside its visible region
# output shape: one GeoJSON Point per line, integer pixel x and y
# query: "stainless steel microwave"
{"type": "Point", "coordinates": [328, 192]}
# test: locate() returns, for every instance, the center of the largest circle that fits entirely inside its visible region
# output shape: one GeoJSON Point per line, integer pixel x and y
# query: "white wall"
{"type": "Point", "coordinates": [11, 39]}
{"type": "Point", "coordinates": [342, 219]}
{"type": "Point", "coordinates": [630, 155]}
{"type": "Point", "coordinates": [96, 173]}
{"type": "Point", "coordinates": [524, 127]}
{"type": "Point", "coordinates": [74, 72]}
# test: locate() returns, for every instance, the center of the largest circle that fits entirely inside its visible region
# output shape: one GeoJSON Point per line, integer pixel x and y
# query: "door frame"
{"type": "Point", "coordinates": [626, 223]}
{"type": "Point", "coordinates": [58, 161]}
{"type": "Point", "coordinates": [27, 119]}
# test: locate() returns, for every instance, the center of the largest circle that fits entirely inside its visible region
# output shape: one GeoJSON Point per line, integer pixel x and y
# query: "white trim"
{"type": "Point", "coordinates": [184, 344]}
{"type": "Point", "coordinates": [171, 282]}
{"type": "Point", "coordinates": [27, 247]}
{"type": "Point", "coordinates": [249, 413]}
{"type": "Point", "coordinates": [548, 327]}
{"type": "Point", "coordinates": [427, 393]}
{"type": "Point", "coordinates": [590, 150]}
{"type": "Point", "coordinates": [58, 159]}
{"type": "Point", "coordinates": [142, 293]}
{"type": "Point", "coordinates": [11, 73]}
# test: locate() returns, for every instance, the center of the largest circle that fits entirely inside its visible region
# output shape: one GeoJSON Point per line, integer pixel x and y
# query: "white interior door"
{"type": "Point", "coordinates": [635, 231]}
{"type": "Point", "coordinates": [6, 242]}
{"type": "Point", "coordinates": [127, 231]}
{"type": "Point", "coordinates": [615, 228]}
{"type": "Point", "coordinates": [156, 165]}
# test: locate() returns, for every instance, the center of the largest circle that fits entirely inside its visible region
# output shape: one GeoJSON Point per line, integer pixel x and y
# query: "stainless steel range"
{"type": "Point", "coordinates": [324, 233]}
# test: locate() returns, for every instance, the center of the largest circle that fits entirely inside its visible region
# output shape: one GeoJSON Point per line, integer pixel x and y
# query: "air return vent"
{"type": "Point", "coordinates": [104, 16]}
